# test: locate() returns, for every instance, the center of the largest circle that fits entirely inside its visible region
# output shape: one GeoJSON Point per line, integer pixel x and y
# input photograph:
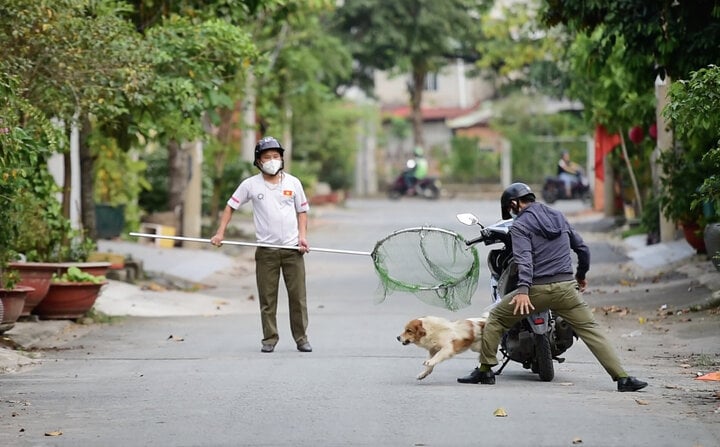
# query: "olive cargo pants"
{"type": "Point", "coordinates": [269, 262]}
{"type": "Point", "coordinates": [564, 299]}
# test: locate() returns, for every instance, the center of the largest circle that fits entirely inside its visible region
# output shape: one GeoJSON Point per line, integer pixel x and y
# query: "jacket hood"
{"type": "Point", "coordinates": [548, 222]}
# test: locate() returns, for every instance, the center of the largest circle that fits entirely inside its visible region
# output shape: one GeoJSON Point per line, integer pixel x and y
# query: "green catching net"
{"type": "Point", "coordinates": [433, 264]}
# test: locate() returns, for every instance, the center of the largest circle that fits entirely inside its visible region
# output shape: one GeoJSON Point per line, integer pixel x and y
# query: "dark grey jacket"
{"type": "Point", "coordinates": [542, 239]}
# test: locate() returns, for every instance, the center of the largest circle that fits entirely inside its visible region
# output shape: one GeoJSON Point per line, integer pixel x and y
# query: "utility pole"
{"type": "Point", "coordinates": [664, 143]}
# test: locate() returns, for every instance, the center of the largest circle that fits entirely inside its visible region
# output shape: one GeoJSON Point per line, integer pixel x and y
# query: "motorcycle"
{"type": "Point", "coordinates": [428, 188]}
{"type": "Point", "coordinates": [554, 189]}
{"type": "Point", "coordinates": [538, 339]}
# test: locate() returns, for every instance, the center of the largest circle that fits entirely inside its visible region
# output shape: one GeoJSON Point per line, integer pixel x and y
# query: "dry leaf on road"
{"type": "Point", "coordinates": [500, 412]}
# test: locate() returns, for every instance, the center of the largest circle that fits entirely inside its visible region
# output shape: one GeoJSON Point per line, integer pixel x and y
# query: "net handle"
{"type": "Point", "coordinates": [249, 244]}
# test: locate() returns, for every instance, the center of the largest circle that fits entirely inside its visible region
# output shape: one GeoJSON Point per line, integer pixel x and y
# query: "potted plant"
{"type": "Point", "coordinates": [48, 242]}
{"type": "Point", "coordinates": [710, 197]}
{"type": "Point", "coordinates": [30, 215]}
{"type": "Point", "coordinates": [682, 176]}
{"type": "Point", "coordinates": [25, 136]}
{"type": "Point", "coordinates": [692, 178]}
{"type": "Point", "coordinates": [71, 295]}
{"type": "Point", "coordinates": [12, 298]}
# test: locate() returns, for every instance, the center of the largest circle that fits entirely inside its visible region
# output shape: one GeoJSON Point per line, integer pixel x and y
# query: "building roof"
{"type": "Point", "coordinates": [428, 113]}
{"type": "Point", "coordinates": [472, 118]}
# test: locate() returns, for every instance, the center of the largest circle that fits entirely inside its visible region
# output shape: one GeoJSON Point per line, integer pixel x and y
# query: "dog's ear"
{"type": "Point", "coordinates": [418, 328]}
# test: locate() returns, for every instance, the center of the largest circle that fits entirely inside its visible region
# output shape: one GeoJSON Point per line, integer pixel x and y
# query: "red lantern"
{"type": "Point", "coordinates": [636, 134]}
{"type": "Point", "coordinates": [652, 131]}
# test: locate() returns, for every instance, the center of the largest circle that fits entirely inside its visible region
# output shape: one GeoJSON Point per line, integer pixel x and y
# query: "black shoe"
{"type": "Point", "coordinates": [630, 384]}
{"type": "Point", "coordinates": [304, 347]}
{"type": "Point", "coordinates": [477, 376]}
{"type": "Point", "coordinates": [267, 348]}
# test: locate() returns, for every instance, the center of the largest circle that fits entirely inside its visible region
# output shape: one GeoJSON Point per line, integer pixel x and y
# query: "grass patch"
{"type": "Point", "coordinates": [712, 304]}
{"type": "Point", "coordinates": [633, 231]}
{"type": "Point", "coordinates": [705, 360]}
{"type": "Point", "coordinates": [96, 317]}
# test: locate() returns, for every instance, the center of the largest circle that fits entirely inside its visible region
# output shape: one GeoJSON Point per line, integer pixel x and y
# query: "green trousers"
{"type": "Point", "coordinates": [269, 263]}
{"type": "Point", "coordinates": [564, 299]}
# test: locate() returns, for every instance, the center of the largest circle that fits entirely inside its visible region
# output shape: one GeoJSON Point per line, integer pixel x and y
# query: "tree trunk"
{"type": "Point", "coordinates": [249, 118]}
{"type": "Point", "coordinates": [287, 132]}
{"type": "Point", "coordinates": [226, 136]}
{"type": "Point", "coordinates": [638, 198]}
{"type": "Point", "coordinates": [416, 93]}
{"type": "Point", "coordinates": [87, 201]}
{"type": "Point", "coordinates": [67, 182]}
{"type": "Point", "coordinates": [177, 181]}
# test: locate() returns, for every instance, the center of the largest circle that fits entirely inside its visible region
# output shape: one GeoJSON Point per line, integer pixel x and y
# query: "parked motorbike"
{"type": "Point", "coordinates": [538, 339]}
{"type": "Point", "coordinates": [428, 188]}
{"type": "Point", "coordinates": [554, 189]}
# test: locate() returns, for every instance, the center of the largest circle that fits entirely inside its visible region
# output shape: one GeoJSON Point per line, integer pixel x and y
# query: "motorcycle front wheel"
{"type": "Point", "coordinates": [543, 362]}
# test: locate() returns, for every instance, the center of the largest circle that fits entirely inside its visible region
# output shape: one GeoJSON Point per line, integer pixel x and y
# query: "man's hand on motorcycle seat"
{"type": "Point", "coordinates": [522, 303]}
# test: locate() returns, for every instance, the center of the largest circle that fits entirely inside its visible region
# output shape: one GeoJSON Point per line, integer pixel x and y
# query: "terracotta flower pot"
{"type": "Point", "coordinates": [694, 236]}
{"type": "Point", "coordinates": [12, 301]}
{"type": "Point", "coordinates": [36, 275]}
{"type": "Point", "coordinates": [68, 300]}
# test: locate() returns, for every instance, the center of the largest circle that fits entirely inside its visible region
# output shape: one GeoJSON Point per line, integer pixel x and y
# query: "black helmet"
{"type": "Point", "coordinates": [512, 192]}
{"type": "Point", "coordinates": [266, 144]}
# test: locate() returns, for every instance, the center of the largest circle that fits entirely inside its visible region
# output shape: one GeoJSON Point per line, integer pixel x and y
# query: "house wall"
{"type": "Point", "coordinates": [488, 138]}
{"type": "Point", "coordinates": [455, 88]}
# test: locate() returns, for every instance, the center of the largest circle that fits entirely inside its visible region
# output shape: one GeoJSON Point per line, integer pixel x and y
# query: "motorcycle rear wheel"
{"type": "Point", "coordinates": [543, 361]}
{"type": "Point", "coordinates": [550, 193]}
{"type": "Point", "coordinates": [394, 194]}
{"type": "Point", "coordinates": [431, 192]}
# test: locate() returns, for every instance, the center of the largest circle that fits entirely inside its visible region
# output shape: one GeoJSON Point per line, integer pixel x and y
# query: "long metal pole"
{"type": "Point", "coordinates": [249, 244]}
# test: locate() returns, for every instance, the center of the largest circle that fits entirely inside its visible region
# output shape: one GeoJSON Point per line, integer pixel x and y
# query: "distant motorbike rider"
{"type": "Point", "coordinates": [567, 171]}
{"type": "Point", "coordinates": [417, 169]}
{"type": "Point", "coordinates": [542, 241]}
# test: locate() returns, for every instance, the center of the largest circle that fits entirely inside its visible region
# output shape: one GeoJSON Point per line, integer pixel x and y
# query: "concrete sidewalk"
{"type": "Point", "coordinates": [193, 271]}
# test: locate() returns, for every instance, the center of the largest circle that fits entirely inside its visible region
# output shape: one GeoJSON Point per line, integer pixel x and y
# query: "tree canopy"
{"type": "Point", "coordinates": [408, 36]}
{"type": "Point", "coordinates": [680, 37]}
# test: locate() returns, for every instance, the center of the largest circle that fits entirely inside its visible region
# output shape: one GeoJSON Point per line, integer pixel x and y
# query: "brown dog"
{"type": "Point", "coordinates": [442, 338]}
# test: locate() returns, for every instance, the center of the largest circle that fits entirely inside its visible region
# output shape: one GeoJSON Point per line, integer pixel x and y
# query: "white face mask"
{"type": "Point", "coordinates": [271, 167]}
{"type": "Point", "coordinates": [513, 213]}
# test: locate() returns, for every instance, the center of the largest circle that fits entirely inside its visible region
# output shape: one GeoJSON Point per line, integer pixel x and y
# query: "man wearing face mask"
{"type": "Point", "coordinates": [542, 240]}
{"type": "Point", "coordinates": [280, 210]}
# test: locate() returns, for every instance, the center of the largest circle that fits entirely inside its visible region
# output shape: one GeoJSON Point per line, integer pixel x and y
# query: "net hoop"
{"type": "Point", "coordinates": [441, 269]}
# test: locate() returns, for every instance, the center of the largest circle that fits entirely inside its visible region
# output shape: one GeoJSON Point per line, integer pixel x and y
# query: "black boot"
{"type": "Point", "coordinates": [477, 376]}
{"type": "Point", "coordinates": [630, 384]}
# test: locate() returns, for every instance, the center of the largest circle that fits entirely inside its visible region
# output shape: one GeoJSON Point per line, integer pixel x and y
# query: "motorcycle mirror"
{"type": "Point", "coordinates": [468, 219]}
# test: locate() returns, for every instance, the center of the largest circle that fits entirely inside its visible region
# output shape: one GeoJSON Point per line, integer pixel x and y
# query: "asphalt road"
{"type": "Point", "coordinates": [202, 381]}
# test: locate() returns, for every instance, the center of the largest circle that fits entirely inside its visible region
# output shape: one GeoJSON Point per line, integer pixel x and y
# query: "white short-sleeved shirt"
{"type": "Point", "coordinates": [275, 207]}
